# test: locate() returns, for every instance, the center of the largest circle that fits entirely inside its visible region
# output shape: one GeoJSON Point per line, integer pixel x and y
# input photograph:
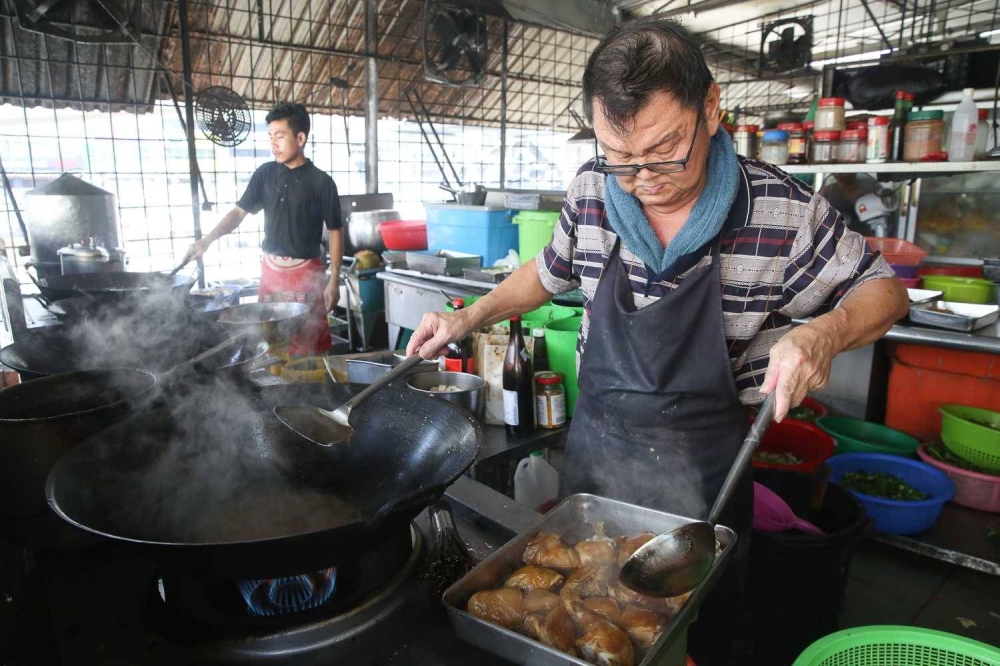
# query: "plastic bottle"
{"type": "Point", "coordinates": [984, 135]}
{"type": "Point", "coordinates": [962, 138]}
{"type": "Point", "coordinates": [536, 482]}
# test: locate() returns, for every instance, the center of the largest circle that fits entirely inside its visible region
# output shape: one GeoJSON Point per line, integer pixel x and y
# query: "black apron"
{"type": "Point", "coordinates": [658, 422]}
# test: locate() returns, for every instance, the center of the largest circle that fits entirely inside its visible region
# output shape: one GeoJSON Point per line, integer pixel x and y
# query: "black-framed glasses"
{"type": "Point", "coordinates": [673, 166]}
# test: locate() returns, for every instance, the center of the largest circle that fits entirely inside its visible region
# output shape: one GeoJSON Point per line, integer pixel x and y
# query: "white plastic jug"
{"type": "Point", "coordinates": [964, 126]}
{"type": "Point", "coordinates": [536, 482]}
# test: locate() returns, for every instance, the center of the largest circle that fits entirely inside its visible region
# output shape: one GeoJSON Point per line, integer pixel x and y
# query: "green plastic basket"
{"type": "Point", "coordinates": [897, 646]}
{"type": "Point", "coordinates": [972, 434]}
{"type": "Point", "coordinates": [857, 436]}
{"type": "Point", "coordinates": [534, 231]}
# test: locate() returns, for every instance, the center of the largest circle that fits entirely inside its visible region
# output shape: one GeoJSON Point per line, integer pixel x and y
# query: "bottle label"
{"type": "Point", "coordinates": [455, 365]}
{"type": "Point", "coordinates": [510, 415]}
{"type": "Point", "coordinates": [551, 410]}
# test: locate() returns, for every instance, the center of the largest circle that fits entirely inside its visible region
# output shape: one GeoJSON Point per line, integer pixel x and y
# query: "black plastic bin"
{"type": "Point", "coordinates": [797, 581]}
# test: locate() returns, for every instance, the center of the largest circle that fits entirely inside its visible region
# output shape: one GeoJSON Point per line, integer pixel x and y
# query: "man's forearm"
{"type": "Point", "coordinates": [521, 292]}
{"type": "Point", "coordinates": [864, 316]}
{"type": "Point", "coordinates": [335, 240]}
{"type": "Point", "coordinates": [228, 223]}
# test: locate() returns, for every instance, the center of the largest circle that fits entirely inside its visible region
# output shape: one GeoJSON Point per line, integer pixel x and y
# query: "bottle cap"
{"type": "Point", "coordinates": [538, 332]}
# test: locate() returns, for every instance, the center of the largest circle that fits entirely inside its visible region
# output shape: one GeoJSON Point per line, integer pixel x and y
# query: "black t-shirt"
{"type": "Point", "coordinates": [296, 204]}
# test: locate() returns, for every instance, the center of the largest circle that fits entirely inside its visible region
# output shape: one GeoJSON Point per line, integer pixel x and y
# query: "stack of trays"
{"type": "Point", "coordinates": [442, 262]}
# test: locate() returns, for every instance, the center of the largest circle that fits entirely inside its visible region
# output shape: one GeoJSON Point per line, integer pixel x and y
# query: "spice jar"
{"type": "Point", "coordinates": [824, 147]}
{"type": "Point", "coordinates": [745, 140]}
{"type": "Point", "coordinates": [550, 400]}
{"type": "Point", "coordinates": [796, 142]}
{"type": "Point", "coordinates": [775, 148]}
{"type": "Point", "coordinates": [856, 125]}
{"type": "Point", "coordinates": [924, 135]}
{"type": "Point", "coordinates": [853, 146]}
{"type": "Point", "coordinates": [830, 115]}
{"type": "Point", "coordinates": [878, 139]}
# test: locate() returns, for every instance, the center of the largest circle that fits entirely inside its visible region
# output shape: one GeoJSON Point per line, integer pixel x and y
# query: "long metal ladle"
{"type": "Point", "coordinates": [677, 561]}
{"type": "Point", "coordinates": [327, 428]}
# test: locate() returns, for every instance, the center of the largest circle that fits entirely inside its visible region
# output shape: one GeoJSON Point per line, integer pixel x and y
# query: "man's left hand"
{"type": "Point", "coordinates": [331, 295]}
{"type": "Point", "coordinates": [800, 362]}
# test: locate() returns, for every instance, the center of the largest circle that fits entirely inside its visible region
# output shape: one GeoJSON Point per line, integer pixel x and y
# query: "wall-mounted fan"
{"type": "Point", "coordinates": [454, 44]}
{"type": "Point", "coordinates": [786, 45]}
{"type": "Point", "coordinates": [223, 116]}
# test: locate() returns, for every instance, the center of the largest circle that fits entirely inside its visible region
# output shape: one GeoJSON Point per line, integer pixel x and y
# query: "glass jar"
{"type": "Point", "coordinates": [853, 146]}
{"type": "Point", "coordinates": [878, 140]}
{"type": "Point", "coordinates": [856, 125]}
{"type": "Point", "coordinates": [775, 147]}
{"type": "Point", "coordinates": [550, 400]}
{"type": "Point", "coordinates": [809, 126]}
{"type": "Point", "coordinates": [924, 136]}
{"type": "Point", "coordinates": [824, 147]}
{"type": "Point", "coordinates": [745, 140]}
{"type": "Point", "coordinates": [830, 115]}
{"type": "Point", "coordinates": [796, 142]}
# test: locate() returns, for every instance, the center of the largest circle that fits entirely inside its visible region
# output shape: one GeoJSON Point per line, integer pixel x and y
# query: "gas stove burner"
{"type": "Point", "coordinates": [280, 596]}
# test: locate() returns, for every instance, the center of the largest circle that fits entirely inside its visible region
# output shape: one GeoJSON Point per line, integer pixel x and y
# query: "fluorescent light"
{"type": "Point", "coordinates": [989, 32]}
{"type": "Point", "coordinates": [798, 91]}
{"type": "Point", "coordinates": [857, 57]}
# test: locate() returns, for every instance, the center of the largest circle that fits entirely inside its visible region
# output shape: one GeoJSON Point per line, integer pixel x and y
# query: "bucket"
{"type": "Point", "coordinates": [792, 571]}
{"type": "Point", "coordinates": [560, 341]}
{"type": "Point", "coordinates": [534, 231]}
{"type": "Point", "coordinates": [546, 314]}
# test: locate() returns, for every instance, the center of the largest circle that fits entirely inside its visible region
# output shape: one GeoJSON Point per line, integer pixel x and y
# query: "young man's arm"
{"type": "Point", "coordinates": [331, 293]}
{"type": "Point", "coordinates": [228, 223]}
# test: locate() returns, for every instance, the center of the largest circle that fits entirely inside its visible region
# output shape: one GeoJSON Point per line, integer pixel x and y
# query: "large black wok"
{"type": "Point", "coordinates": [214, 482]}
{"type": "Point", "coordinates": [116, 284]}
{"type": "Point", "coordinates": [198, 309]}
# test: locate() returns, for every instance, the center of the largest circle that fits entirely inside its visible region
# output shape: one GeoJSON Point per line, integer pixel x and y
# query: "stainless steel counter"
{"type": "Point", "coordinates": [985, 340]}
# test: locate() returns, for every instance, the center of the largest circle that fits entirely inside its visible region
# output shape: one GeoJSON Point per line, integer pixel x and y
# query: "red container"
{"type": "Point", "coordinates": [404, 234]}
{"type": "Point", "coordinates": [897, 250]}
{"type": "Point", "coordinates": [912, 283]}
{"type": "Point", "coordinates": [956, 271]}
{"type": "Point", "coordinates": [800, 438]}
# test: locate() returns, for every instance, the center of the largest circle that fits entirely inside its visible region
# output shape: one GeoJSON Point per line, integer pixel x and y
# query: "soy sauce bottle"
{"type": "Point", "coordinates": [458, 356]}
{"type": "Point", "coordinates": [518, 380]}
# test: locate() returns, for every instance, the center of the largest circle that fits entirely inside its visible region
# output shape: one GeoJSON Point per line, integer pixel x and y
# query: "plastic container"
{"type": "Point", "coordinates": [545, 314]}
{"type": "Point", "coordinates": [824, 147]}
{"type": "Point", "coordinates": [775, 147]}
{"type": "Point", "coordinates": [481, 230]}
{"type": "Point", "coordinates": [796, 142]}
{"type": "Point", "coordinates": [878, 140]}
{"type": "Point", "coordinates": [898, 516]}
{"type": "Point", "coordinates": [962, 289]}
{"type": "Point", "coordinates": [924, 136]}
{"type": "Point", "coordinates": [745, 140]}
{"type": "Point", "coordinates": [857, 436]}
{"type": "Point", "coordinates": [974, 490]}
{"type": "Point", "coordinates": [404, 234]}
{"type": "Point", "coordinates": [534, 231]}
{"type": "Point", "coordinates": [964, 126]}
{"type": "Point", "coordinates": [911, 283]}
{"type": "Point", "coordinates": [984, 135]}
{"type": "Point", "coordinates": [959, 271]}
{"type": "Point", "coordinates": [818, 409]}
{"type": "Point", "coordinates": [904, 271]}
{"type": "Point", "coordinates": [536, 482]}
{"type": "Point", "coordinates": [887, 645]}
{"type": "Point", "coordinates": [896, 250]}
{"type": "Point", "coordinates": [830, 115]}
{"type": "Point", "coordinates": [972, 434]}
{"type": "Point", "coordinates": [799, 438]}
{"type": "Point", "coordinates": [853, 146]}
{"type": "Point", "coordinates": [560, 340]}
{"type": "Point", "coordinates": [793, 571]}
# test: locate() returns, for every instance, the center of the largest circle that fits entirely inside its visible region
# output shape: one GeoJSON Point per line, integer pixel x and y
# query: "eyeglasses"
{"type": "Point", "coordinates": [673, 166]}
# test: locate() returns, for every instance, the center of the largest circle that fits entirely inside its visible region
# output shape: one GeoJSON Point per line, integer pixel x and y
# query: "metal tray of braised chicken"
{"type": "Point", "coordinates": [551, 595]}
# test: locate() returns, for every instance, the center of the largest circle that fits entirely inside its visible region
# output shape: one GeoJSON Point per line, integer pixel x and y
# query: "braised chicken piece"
{"type": "Point", "coordinates": [628, 545]}
{"type": "Point", "coordinates": [556, 630]}
{"type": "Point", "coordinates": [602, 643]}
{"type": "Point", "coordinates": [606, 607]}
{"type": "Point", "coordinates": [598, 549]}
{"type": "Point", "coordinates": [548, 550]}
{"type": "Point", "coordinates": [539, 601]}
{"type": "Point", "coordinates": [626, 597]}
{"type": "Point", "coordinates": [589, 581]}
{"type": "Point", "coordinates": [531, 578]}
{"type": "Point", "coordinates": [643, 626]}
{"type": "Point", "coordinates": [500, 607]}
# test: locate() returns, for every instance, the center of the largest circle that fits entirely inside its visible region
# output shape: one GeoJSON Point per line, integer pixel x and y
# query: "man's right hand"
{"type": "Point", "coordinates": [197, 249]}
{"type": "Point", "coordinates": [436, 331]}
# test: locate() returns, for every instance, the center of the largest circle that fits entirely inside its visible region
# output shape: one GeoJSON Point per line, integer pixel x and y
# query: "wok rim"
{"type": "Point", "coordinates": [303, 309]}
{"type": "Point", "coordinates": [153, 381]}
{"type": "Point", "coordinates": [368, 523]}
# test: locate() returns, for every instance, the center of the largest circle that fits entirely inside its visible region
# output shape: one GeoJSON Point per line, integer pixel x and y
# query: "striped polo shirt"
{"type": "Point", "coordinates": [785, 253]}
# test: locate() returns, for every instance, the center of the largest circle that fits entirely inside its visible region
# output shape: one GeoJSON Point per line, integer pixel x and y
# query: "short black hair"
{"type": "Point", "coordinates": [295, 114]}
{"type": "Point", "coordinates": [640, 58]}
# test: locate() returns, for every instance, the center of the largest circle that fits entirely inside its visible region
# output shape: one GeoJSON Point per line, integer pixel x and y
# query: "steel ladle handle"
{"type": "Point", "coordinates": [750, 444]}
{"type": "Point", "coordinates": [376, 385]}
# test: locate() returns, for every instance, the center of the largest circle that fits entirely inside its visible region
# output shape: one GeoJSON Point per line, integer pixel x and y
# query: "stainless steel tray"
{"type": "Point", "coordinates": [964, 317]}
{"type": "Point", "coordinates": [571, 520]}
{"type": "Point", "coordinates": [923, 295]}
{"type": "Point", "coordinates": [367, 370]}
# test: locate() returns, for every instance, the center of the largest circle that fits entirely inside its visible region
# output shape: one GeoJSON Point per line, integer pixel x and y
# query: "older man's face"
{"type": "Point", "coordinates": [661, 132]}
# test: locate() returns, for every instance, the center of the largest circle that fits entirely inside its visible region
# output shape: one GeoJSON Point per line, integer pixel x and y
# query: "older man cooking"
{"type": "Point", "coordinates": [693, 262]}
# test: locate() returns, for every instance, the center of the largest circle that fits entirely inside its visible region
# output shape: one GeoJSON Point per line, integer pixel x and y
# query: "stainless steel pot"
{"type": "Point", "coordinates": [470, 194]}
{"type": "Point", "coordinates": [362, 229]}
{"type": "Point", "coordinates": [471, 393]}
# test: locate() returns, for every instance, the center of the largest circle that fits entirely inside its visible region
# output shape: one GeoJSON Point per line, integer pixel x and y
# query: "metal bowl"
{"type": "Point", "coordinates": [471, 395]}
{"type": "Point", "coordinates": [274, 322]}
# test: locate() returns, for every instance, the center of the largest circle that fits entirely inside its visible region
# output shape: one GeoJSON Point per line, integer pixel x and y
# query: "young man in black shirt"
{"type": "Point", "coordinates": [298, 200]}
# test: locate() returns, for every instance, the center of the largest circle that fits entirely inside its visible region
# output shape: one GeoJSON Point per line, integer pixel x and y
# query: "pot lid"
{"type": "Point", "coordinates": [68, 185]}
{"type": "Point", "coordinates": [84, 252]}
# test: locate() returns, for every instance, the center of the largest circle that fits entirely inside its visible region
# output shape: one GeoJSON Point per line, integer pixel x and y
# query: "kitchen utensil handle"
{"type": "Point", "coordinates": [750, 444]}
{"type": "Point", "coordinates": [178, 370]}
{"type": "Point", "coordinates": [178, 268]}
{"type": "Point", "coordinates": [377, 385]}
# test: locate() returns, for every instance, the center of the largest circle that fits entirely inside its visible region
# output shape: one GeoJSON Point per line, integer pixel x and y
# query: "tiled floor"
{"type": "Point", "coordinates": [890, 586]}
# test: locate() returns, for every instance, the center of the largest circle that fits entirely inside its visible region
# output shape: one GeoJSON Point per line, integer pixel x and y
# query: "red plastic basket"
{"type": "Point", "coordinates": [404, 234]}
{"type": "Point", "coordinates": [897, 250]}
{"type": "Point", "coordinates": [799, 438]}
{"type": "Point", "coordinates": [972, 489]}
{"type": "Point", "coordinates": [957, 271]}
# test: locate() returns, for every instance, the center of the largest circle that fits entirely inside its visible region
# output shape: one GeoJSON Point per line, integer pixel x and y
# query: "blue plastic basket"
{"type": "Point", "coordinates": [897, 516]}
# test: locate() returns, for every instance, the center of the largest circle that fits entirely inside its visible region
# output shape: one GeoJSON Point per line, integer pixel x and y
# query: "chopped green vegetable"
{"type": "Point", "coordinates": [802, 413]}
{"type": "Point", "coordinates": [777, 458]}
{"type": "Point", "coordinates": [941, 452]}
{"type": "Point", "coordinates": [885, 486]}
{"type": "Point", "coordinates": [993, 534]}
